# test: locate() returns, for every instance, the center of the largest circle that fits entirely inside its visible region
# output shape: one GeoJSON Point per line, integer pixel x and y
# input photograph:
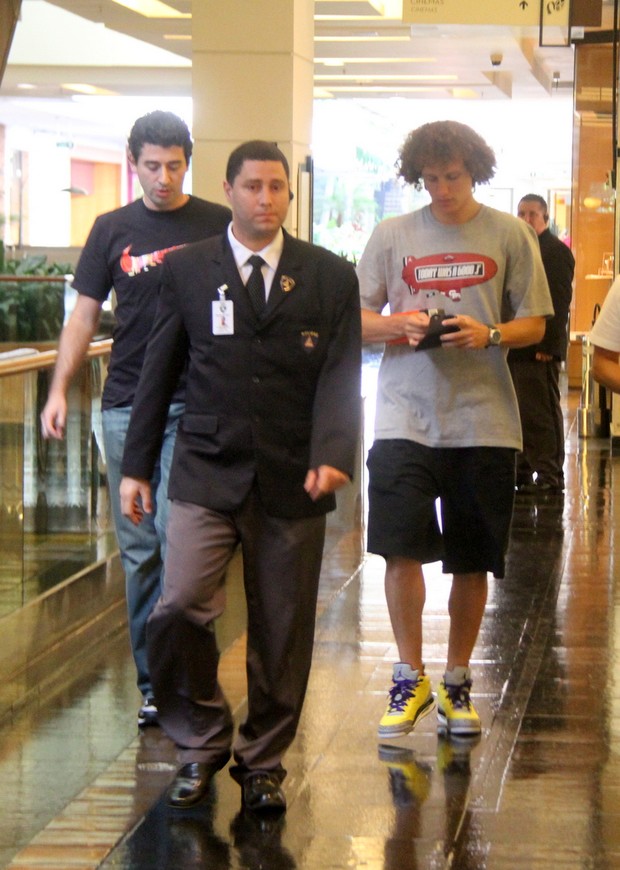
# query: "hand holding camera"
{"type": "Point", "coordinates": [436, 328]}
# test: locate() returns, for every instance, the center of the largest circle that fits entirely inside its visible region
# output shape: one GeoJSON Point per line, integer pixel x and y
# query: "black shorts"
{"type": "Point", "coordinates": [475, 488]}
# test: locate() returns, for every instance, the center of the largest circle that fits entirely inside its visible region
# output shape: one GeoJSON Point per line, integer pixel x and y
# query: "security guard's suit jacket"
{"type": "Point", "coordinates": [279, 396]}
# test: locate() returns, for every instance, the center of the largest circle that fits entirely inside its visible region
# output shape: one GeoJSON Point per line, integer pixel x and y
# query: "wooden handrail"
{"type": "Point", "coordinates": [47, 358]}
{"type": "Point", "coordinates": [32, 279]}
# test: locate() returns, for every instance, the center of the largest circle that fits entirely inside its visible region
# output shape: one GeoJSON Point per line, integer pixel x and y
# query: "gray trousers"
{"type": "Point", "coordinates": [281, 567]}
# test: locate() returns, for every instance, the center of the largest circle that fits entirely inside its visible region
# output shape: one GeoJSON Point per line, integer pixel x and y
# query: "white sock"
{"type": "Point", "coordinates": [404, 671]}
{"type": "Point", "coordinates": [457, 676]}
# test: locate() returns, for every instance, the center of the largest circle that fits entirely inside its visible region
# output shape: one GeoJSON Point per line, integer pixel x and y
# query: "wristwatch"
{"type": "Point", "coordinates": [495, 337]}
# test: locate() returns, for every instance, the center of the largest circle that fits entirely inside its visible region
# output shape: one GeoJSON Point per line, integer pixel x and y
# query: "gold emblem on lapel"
{"type": "Point", "coordinates": [286, 283]}
{"type": "Point", "coordinates": [309, 340]}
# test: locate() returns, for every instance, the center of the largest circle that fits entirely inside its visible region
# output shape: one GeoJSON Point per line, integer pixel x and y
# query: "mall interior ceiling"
{"type": "Point", "coordinates": [363, 48]}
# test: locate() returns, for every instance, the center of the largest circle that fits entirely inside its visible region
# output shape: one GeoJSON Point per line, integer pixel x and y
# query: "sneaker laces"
{"type": "Point", "coordinates": [459, 695]}
{"type": "Point", "coordinates": [400, 693]}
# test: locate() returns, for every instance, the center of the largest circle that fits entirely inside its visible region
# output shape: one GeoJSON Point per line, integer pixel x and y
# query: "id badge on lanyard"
{"type": "Point", "coordinates": [222, 313]}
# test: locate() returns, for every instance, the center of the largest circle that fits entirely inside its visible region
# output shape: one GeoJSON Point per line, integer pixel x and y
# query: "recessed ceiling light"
{"type": "Point", "coordinates": [373, 38]}
{"type": "Point", "coordinates": [152, 9]}
{"type": "Point", "coordinates": [83, 88]}
{"type": "Point", "coordinates": [387, 78]}
{"type": "Point", "coordinates": [336, 61]}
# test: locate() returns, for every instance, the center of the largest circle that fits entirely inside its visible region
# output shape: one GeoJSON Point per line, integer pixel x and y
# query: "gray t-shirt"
{"type": "Point", "coordinates": [489, 268]}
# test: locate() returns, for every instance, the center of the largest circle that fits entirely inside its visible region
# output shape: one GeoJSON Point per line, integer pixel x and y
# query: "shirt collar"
{"type": "Point", "coordinates": [271, 253]}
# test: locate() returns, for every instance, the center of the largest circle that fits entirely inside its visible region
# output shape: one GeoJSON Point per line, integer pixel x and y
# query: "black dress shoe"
{"type": "Point", "coordinates": [261, 792]}
{"type": "Point", "coordinates": [192, 782]}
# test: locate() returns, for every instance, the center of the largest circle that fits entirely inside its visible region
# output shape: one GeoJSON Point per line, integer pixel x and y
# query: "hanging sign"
{"type": "Point", "coordinates": [511, 13]}
{"type": "Point", "coordinates": [555, 22]}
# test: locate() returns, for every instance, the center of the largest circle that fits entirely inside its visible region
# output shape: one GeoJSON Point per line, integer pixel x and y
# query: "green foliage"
{"type": "Point", "coordinates": [31, 265]}
{"type": "Point", "coordinates": [31, 311]}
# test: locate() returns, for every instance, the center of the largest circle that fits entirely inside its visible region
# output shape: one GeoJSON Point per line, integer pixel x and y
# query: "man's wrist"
{"type": "Point", "coordinates": [494, 338]}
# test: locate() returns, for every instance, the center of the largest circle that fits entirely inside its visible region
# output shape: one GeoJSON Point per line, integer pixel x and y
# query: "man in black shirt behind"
{"type": "Point", "coordinates": [125, 250]}
{"type": "Point", "coordinates": [536, 369]}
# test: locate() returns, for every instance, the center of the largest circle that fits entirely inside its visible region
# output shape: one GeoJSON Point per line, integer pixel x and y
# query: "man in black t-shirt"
{"type": "Point", "coordinates": [124, 251]}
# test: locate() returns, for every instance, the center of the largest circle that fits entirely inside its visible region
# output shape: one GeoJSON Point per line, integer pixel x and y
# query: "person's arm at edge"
{"type": "Point", "coordinates": [72, 347]}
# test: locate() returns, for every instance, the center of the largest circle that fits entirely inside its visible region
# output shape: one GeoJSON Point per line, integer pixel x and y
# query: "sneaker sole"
{"type": "Point", "coordinates": [408, 725]}
{"type": "Point", "coordinates": [462, 729]}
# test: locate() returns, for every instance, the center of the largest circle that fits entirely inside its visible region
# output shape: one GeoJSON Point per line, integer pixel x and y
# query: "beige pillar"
{"type": "Point", "coordinates": [252, 74]}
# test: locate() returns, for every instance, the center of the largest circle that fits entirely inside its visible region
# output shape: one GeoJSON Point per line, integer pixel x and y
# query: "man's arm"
{"type": "Point", "coordinates": [337, 400]}
{"type": "Point", "coordinates": [323, 480]}
{"type": "Point", "coordinates": [560, 268]}
{"type": "Point", "coordinates": [136, 499]}
{"type": "Point", "coordinates": [74, 341]}
{"type": "Point", "coordinates": [391, 327]}
{"type": "Point", "coordinates": [606, 368]}
{"type": "Point", "coordinates": [164, 360]}
{"type": "Point", "coordinates": [472, 333]}
{"type": "Point", "coordinates": [520, 332]}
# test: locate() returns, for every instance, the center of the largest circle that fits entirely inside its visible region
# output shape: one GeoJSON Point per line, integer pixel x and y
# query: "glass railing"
{"type": "Point", "coordinates": [54, 513]}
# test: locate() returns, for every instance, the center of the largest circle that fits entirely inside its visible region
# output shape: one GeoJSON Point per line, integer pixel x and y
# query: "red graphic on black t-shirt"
{"type": "Point", "coordinates": [447, 273]}
{"type": "Point", "coordinates": [142, 263]}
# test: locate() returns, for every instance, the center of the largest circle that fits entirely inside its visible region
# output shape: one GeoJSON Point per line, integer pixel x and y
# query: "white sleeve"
{"type": "Point", "coordinates": [606, 331]}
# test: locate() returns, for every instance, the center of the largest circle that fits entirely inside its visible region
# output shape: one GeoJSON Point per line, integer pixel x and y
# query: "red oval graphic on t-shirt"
{"type": "Point", "coordinates": [447, 273]}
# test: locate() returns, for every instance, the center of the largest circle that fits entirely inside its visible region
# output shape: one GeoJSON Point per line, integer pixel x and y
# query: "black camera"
{"type": "Point", "coordinates": [436, 327]}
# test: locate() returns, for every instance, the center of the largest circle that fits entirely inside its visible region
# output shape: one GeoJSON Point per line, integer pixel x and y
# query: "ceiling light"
{"type": "Point", "coordinates": [90, 90]}
{"type": "Point", "coordinates": [348, 17]}
{"type": "Point", "coordinates": [388, 78]}
{"type": "Point", "coordinates": [375, 4]}
{"type": "Point", "coordinates": [391, 89]}
{"type": "Point", "coordinates": [374, 38]}
{"type": "Point", "coordinates": [332, 61]}
{"type": "Point", "coordinates": [465, 94]}
{"type": "Point", "coordinates": [152, 9]}
{"type": "Point", "coordinates": [79, 87]}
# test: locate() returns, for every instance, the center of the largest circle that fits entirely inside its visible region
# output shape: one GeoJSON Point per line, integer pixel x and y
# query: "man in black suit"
{"type": "Point", "coordinates": [535, 369]}
{"type": "Point", "coordinates": [270, 431]}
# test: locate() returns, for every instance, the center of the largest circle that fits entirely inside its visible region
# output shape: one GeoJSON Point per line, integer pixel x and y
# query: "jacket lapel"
{"type": "Point", "coordinates": [288, 278]}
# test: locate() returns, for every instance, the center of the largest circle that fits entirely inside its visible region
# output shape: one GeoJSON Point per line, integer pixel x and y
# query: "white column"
{"type": "Point", "coordinates": [252, 79]}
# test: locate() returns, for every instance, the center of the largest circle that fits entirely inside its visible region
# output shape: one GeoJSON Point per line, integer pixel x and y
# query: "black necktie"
{"type": "Point", "coordinates": [256, 284]}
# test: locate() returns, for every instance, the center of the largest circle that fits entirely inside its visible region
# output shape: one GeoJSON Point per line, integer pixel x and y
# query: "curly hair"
{"type": "Point", "coordinates": [440, 142]}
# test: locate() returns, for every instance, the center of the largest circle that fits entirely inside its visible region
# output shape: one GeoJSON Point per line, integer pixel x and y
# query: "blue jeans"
{"type": "Point", "coordinates": [142, 548]}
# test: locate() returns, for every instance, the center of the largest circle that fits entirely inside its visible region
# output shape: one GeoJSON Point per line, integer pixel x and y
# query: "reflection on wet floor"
{"type": "Point", "coordinates": [540, 789]}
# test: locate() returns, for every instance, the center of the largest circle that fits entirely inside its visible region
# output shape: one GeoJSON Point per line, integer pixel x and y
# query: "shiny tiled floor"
{"type": "Point", "coordinates": [540, 790]}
